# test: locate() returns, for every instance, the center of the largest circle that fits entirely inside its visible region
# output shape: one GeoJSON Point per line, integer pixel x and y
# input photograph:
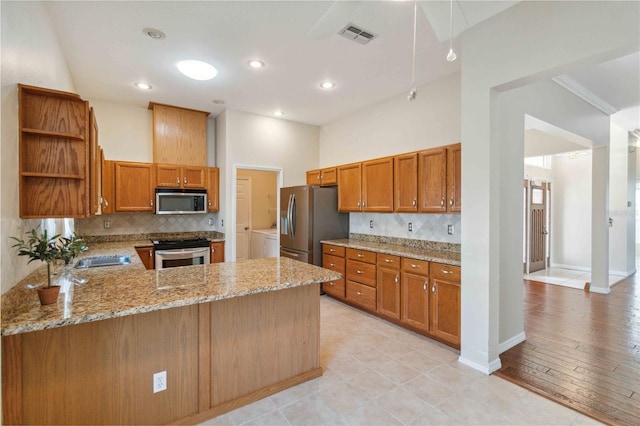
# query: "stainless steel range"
{"type": "Point", "coordinates": [173, 253]}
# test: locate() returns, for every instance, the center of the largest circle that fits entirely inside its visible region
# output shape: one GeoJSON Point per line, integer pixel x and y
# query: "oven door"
{"type": "Point", "coordinates": [182, 257]}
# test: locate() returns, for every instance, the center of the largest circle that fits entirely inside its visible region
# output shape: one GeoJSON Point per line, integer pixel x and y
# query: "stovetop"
{"type": "Point", "coordinates": [180, 244]}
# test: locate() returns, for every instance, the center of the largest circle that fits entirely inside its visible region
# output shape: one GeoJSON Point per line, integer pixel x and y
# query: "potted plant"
{"type": "Point", "coordinates": [44, 248]}
{"type": "Point", "coordinates": [70, 247]}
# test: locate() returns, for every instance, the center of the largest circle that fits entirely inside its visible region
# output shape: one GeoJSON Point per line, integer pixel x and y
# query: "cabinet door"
{"type": "Point", "coordinates": [349, 187]}
{"type": "Point", "coordinates": [217, 252]}
{"type": "Point", "coordinates": [167, 176]}
{"type": "Point", "coordinates": [108, 185]}
{"type": "Point", "coordinates": [147, 256]}
{"type": "Point", "coordinates": [179, 135]}
{"type": "Point", "coordinates": [415, 301]}
{"type": "Point", "coordinates": [454, 175]}
{"type": "Point", "coordinates": [432, 180]}
{"type": "Point", "coordinates": [313, 177]}
{"type": "Point", "coordinates": [95, 167]}
{"type": "Point", "coordinates": [388, 292]}
{"type": "Point", "coordinates": [405, 170]}
{"type": "Point", "coordinates": [193, 177]}
{"type": "Point", "coordinates": [445, 310]}
{"type": "Point", "coordinates": [377, 185]}
{"type": "Point", "coordinates": [329, 176]}
{"type": "Point", "coordinates": [213, 189]}
{"type": "Point", "coordinates": [134, 187]}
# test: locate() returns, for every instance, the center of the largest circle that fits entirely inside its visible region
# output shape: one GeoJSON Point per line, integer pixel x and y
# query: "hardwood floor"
{"type": "Point", "coordinates": [582, 349]}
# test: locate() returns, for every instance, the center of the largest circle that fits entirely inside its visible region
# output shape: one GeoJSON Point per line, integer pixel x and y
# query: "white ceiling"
{"type": "Point", "coordinates": [107, 52]}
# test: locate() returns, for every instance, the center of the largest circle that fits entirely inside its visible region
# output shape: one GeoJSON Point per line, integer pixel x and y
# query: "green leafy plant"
{"type": "Point", "coordinates": [39, 247]}
{"type": "Point", "coordinates": [70, 247]}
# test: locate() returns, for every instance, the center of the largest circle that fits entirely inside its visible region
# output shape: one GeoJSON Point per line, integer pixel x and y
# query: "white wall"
{"type": "Point", "coordinates": [395, 126]}
{"type": "Point", "coordinates": [249, 140]}
{"type": "Point", "coordinates": [31, 55]}
{"type": "Point", "coordinates": [514, 48]}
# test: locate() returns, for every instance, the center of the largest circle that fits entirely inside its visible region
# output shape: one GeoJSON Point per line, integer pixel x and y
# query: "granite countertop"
{"type": "Point", "coordinates": [116, 291]}
{"type": "Point", "coordinates": [440, 256]}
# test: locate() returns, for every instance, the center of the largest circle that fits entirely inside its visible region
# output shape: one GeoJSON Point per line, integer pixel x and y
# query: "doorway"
{"type": "Point", "coordinates": [243, 217]}
{"type": "Point", "coordinates": [537, 225]}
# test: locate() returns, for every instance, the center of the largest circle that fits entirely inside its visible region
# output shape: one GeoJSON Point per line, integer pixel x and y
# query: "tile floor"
{"type": "Point", "coordinates": [567, 277]}
{"type": "Point", "coordinates": [376, 373]}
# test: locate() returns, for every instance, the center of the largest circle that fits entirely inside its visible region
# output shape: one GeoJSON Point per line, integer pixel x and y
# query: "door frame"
{"type": "Point", "coordinates": [527, 228]}
{"type": "Point", "coordinates": [230, 237]}
{"type": "Point", "coordinates": [235, 232]}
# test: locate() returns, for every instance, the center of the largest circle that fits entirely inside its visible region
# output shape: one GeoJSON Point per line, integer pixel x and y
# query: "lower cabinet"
{"type": "Point", "coordinates": [415, 293]}
{"type": "Point", "coordinates": [361, 294]}
{"type": "Point", "coordinates": [333, 258]}
{"type": "Point", "coordinates": [217, 251]}
{"type": "Point", "coordinates": [445, 302]}
{"type": "Point", "coordinates": [147, 255]}
{"type": "Point", "coordinates": [388, 288]}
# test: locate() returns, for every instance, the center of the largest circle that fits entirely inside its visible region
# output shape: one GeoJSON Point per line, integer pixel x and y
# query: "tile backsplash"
{"type": "Point", "coordinates": [145, 223]}
{"type": "Point", "coordinates": [429, 227]}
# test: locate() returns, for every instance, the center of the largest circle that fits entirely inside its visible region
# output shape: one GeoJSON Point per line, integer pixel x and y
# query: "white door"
{"type": "Point", "coordinates": [243, 217]}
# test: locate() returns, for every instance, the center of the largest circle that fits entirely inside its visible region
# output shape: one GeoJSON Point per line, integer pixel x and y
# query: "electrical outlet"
{"type": "Point", "coordinates": [159, 381]}
{"type": "Point", "coordinates": [371, 224]}
{"type": "Point", "coordinates": [222, 223]}
{"type": "Point", "coordinates": [410, 227]}
{"type": "Point", "coordinates": [450, 229]}
{"type": "Point", "coordinates": [106, 224]}
{"type": "Point", "coordinates": [212, 221]}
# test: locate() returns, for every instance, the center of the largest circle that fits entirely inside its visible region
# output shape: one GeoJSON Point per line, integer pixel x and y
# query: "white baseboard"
{"type": "Point", "coordinates": [574, 267]}
{"type": "Point", "coordinates": [600, 290]}
{"type": "Point", "coordinates": [623, 274]}
{"type": "Point", "coordinates": [509, 343]}
{"type": "Point", "coordinates": [486, 369]}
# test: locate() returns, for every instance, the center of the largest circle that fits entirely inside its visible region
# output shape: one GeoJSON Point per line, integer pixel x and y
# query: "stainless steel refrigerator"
{"type": "Point", "coordinates": [309, 214]}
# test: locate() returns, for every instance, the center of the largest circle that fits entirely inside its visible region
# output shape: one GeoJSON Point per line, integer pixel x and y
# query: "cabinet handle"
{"type": "Point", "coordinates": [151, 203]}
{"type": "Point", "coordinates": [332, 264]}
{"type": "Point", "coordinates": [445, 271]}
{"type": "Point", "coordinates": [397, 278]}
{"type": "Point", "coordinates": [433, 288]}
{"type": "Point", "coordinates": [358, 203]}
{"type": "Point", "coordinates": [320, 177]}
{"type": "Point", "coordinates": [332, 284]}
{"type": "Point", "coordinates": [360, 255]}
{"type": "Point", "coordinates": [209, 203]}
{"type": "Point", "coordinates": [358, 293]}
{"type": "Point", "coordinates": [358, 271]}
{"type": "Point", "coordinates": [414, 202]}
{"type": "Point", "coordinates": [413, 265]}
{"type": "Point", "coordinates": [442, 202]}
{"type": "Point", "coordinates": [213, 250]}
{"type": "Point", "coordinates": [177, 180]}
{"type": "Point", "coordinates": [331, 250]}
{"type": "Point", "coordinates": [150, 253]}
{"type": "Point", "coordinates": [388, 260]}
{"type": "Point", "coordinates": [106, 203]}
{"type": "Point", "coordinates": [451, 201]}
{"type": "Point", "coordinates": [424, 286]}
{"type": "Point", "coordinates": [185, 180]}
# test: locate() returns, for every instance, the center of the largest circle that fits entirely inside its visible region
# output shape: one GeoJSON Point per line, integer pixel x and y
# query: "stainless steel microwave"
{"type": "Point", "coordinates": [181, 201]}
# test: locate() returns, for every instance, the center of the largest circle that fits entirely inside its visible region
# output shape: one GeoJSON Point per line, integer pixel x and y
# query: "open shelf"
{"type": "Point", "coordinates": [52, 175]}
{"type": "Point", "coordinates": [52, 134]}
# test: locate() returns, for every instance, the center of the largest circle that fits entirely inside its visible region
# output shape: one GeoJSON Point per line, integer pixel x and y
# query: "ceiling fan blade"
{"type": "Point", "coordinates": [336, 17]}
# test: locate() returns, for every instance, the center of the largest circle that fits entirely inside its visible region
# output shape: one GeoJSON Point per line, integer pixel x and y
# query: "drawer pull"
{"type": "Point", "coordinates": [358, 271]}
{"type": "Point", "coordinates": [446, 271]}
{"type": "Point", "coordinates": [332, 284]}
{"type": "Point", "coordinates": [332, 264]}
{"type": "Point", "coordinates": [332, 250]}
{"type": "Point", "coordinates": [360, 255]}
{"type": "Point", "coordinates": [388, 260]}
{"type": "Point", "coordinates": [413, 265]}
{"type": "Point", "coordinates": [359, 293]}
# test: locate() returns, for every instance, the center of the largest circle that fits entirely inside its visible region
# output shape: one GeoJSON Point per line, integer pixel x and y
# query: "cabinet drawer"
{"type": "Point", "coordinates": [334, 263]}
{"type": "Point", "coordinates": [335, 288]}
{"type": "Point", "coordinates": [415, 266]}
{"type": "Point", "coordinates": [333, 250]}
{"type": "Point", "coordinates": [361, 294]}
{"type": "Point", "coordinates": [445, 272]}
{"type": "Point", "coordinates": [361, 255]}
{"type": "Point", "coordinates": [389, 261]}
{"type": "Point", "coordinates": [361, 272]}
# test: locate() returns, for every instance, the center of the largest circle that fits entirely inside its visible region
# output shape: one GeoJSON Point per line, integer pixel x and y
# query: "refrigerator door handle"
{"type": "Point", "coordinates": [292, 221]}
{"type": "Point", "coordinates": [292, 255]}
{"type": "Point", "coordinates": [289, 216]}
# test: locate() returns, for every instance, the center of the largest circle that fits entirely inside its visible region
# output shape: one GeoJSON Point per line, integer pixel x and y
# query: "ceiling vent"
{"type": "Point", "coordinates": [356, 34]}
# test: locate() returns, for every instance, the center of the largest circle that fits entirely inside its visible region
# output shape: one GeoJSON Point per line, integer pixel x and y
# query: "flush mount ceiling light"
{"type": "Point", "coordinates": [451, 56]}
{"type": "Point", "coordinates": [154, 34]}
{"type": "Point", "coordinates": [278, 113]}
{"type": "Point", "coordinates": [197, 70]}
{"type": "Point", "coordinates": [255, 63]}
{"type": "Point", "coordinates": [327, 85]}
{"type": "Point", "coordinates": [142, 86]}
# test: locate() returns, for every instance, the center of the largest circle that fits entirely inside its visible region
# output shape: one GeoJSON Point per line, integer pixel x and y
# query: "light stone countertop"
{"type": "Point", "coordinates": [116, 291]}
{"type": "Point", "coordinates": [446, 257]}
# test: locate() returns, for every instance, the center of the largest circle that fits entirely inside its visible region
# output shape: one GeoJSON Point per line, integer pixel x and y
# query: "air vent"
{"type": "Point", "coordinates": [356, 34]}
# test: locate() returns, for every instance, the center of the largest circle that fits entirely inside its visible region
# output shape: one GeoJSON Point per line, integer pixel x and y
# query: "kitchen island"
{"type": "Point", "coordinates": [226, 334]}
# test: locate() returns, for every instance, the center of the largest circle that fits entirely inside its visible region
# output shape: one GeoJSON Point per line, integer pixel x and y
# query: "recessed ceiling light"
{"type": "Point", "coordinates": [143, 86]}
{"type": "Point", "coordinates": [197, 70]}
{"type": "Point", "coordinates": [154, 34]}
{"type": "Point", "coordinates": [218, 101]}
{"type": "Point", "coordinates": [255, 63]}
{"type": "Point", "coordinates": [327, 85]}
{"type": "Point", "coordinates": [278, 113]}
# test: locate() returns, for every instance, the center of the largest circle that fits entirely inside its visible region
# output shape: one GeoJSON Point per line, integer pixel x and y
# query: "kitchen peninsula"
{"type": "Point", "coordinates": [226, 334]}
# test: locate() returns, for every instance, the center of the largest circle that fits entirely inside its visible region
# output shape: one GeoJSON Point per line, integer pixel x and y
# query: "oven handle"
{"type": "Point", "coordinates": [183, 251]}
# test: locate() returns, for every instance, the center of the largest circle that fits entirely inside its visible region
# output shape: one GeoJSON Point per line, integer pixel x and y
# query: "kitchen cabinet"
{"type": "Point", "coordinates": [445, 303]}
{"type": "Point", "coordinates": [213, 189]}
{"type": "Point", "coordinates": [217, 251]}
{"type": "Point", "coordinates": [350, 187]}
{"type": "Point", "coordinates": [377, 185]}
{"type": "Point", "coordinates": [415, 293]}
{"type": "Point", "coordinates": [322, 177]}
{"type": "Point", "coordinates": [147, 256]}
{"type": "Point", "coordinates": [361, 278]}
{"type": "Point", "coordinates": [314, 177]}
{"type": "Point", "coordinates": [95, 169]}
{"type": "Point", "coordinates": [134, 187]}
{"type": "Point", "coordinates": [179, 135]}
{"type": "Point", "coordinates": [439, 179]}
{"type": "Point", "coordinates": [108, 185]}
{"type": "Point", "coordinates": [54, 158]}
{"type": "Point", "coordinates": [264, 243]}
{"type": "Point", "coordinates": [405, 168]}
{"type": "Point", "coordinates": [388, 285]}
{"type": "Point", "coordinates": [333, 258]}
{"type": "Point", "coordinates": [177, 176]}
{"type": "Point", "coordinates": [454, 177]}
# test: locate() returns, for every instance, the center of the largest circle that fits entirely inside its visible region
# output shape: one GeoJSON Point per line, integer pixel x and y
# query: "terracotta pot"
{"type": "Point", "coordinates": [49, 295]}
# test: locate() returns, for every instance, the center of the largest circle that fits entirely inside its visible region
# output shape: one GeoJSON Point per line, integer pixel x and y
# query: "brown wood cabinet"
{"type": "Point", "coordinates": [53, 154]}
{"type": "Point", "coordinates": [108, 185]}
{"type": "Point", "coordinates": [177, 176]}
{"type": "Point", "coordinates": [439, 179]}
{"type": "Point", "coordinates": [95, 169]}
{"type": "Point", "coordinates": [213, 189]}
{"type": "Point", "coordinates": [217, 251]}
{"type": "Point", "coordinates": [445, 302]}
{"type": "Point", "coordinates": [314, 177]}
{"type": "Point", "coordinates": [405, 170]}
{"type": "Point", "coordinates": [179, 135]}
{"type": "Point", "coordinates": [454, 177]}
{"type": "Point", "coordinates": [361, 278]}
{"type": "Point", "coordinates": [350, 187]}
{"type": "Point", "coordinates": [333, 258]}
{"type": "Point", "coordinates": [134, 187]}
{"type": "Point", "coordinates": [147, 255]}
{"type": "Point", "coordinates": [322, 177]}
{"type": "Point", "coordinates": [377, 185]}
{"type": "Point", "coordinates": [388, 286]}
{"type": "Point", "coordinates": [415, 293]}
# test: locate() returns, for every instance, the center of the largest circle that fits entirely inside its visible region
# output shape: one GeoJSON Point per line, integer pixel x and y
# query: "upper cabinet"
{"type": "Point", "coordinates": [439, 179]}
{"type": "Point", "coordinates": [95, 169]}
{"type": "Point", "coordinates": [213, 191]}
{"type": "Point", "coordinates": [179, 135]}
{"type": "Point", "coordinates": [350, 187]}
{"type": "Point", "coordinates": [108, 185]}
{"type": "Point", "coordinates": [173, 176]}
{"type": "Point", "coordinates": [405, 169]}
{"type": "Point", "coordinates": [54, 154]}
{"type": "Point", "coordinates": [134, 187]}
{"type": "Point", "coordinates": [377, 185]}
{"type": "Point", "coordinates": [454, 177]}
{"type": "Point", "coordinates": [323, 177]}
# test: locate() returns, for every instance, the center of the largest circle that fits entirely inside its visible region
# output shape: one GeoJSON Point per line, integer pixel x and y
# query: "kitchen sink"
{"type": "Point", "coordinates": [95, 261]}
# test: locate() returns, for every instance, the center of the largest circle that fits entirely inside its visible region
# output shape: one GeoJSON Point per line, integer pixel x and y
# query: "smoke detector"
{"type": "Point", "coordinates": [356, 34]}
